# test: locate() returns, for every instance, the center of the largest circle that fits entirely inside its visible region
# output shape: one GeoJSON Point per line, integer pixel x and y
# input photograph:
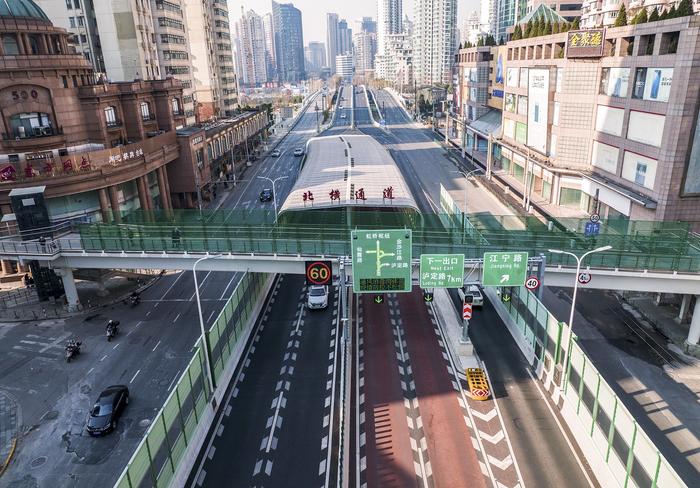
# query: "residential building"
{"type": "Point", "coordinates": [613, 130]}
{"type": "Point", "coordinates": [289, 42]}
{"type": "Point", "coordinates": [365, 50]}
{"type": "Point", "coordinates": [397, 64]}
{"type": "Point", "coordinates": [331, 40]}
{"type": "Point", "coordinates": [389, 22]}
{"type": "Point", "coordinates": [344, 66]}
{"type": "Point", "coordinates": [488, 15]}
{"type": "Point", "coordinates": [366, 24]}
{"type": "Point", "coordinates": [433, 40]}
{"type": "Point", "coordinates": [250, 52]}
{"type": "Point", "coordinates": [270, 53]}
{"type": "Point", "coordinates": [471, 29]}
{"type": "Point", "coordinates": [315, 54]}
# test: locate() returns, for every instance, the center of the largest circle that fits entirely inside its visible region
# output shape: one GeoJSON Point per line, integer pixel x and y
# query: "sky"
{"type": "Point", "coordinates": [313, 12]}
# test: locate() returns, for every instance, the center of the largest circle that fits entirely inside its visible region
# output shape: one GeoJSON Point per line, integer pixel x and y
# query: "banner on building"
{"type": "Point", "coordinates": [538, 109]}
{"type": "Point", "coordinates": [585, 44]}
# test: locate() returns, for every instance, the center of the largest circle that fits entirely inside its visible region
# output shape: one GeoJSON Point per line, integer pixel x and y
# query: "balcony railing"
{"type": "Point", "coordinates": [148, 118]}
{"type": "Point", "coordinates": [114, 124]}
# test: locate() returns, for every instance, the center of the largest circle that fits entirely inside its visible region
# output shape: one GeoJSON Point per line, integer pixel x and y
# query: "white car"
{"type": "Point", "coordinates": [317, 297]}
{"type": "Point", "coordinates": [298, 152]}
{"type": "Point", "coordinates": [343, 116]}
{"type": "Point", "coordinates": [275, 153]}
{"type": "Point", "coordinates": [475, 292]}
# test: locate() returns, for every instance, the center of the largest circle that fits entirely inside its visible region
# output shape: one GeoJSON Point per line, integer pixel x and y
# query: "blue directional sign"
{"type": "Point", "coordinates": [592, 229]}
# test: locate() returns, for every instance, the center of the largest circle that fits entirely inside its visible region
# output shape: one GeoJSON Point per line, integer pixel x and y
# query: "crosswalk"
{"type": "Point", "coordinates": [47, 346]}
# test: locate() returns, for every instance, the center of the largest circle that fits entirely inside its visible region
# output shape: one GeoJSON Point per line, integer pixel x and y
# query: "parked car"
{"type": "Point", "coordinates": [317, 297]}
{"type": "Point", "coordinates": [298, 152]}
{"type": "Point", "coordinates": [266, 195]}
{"type": "Point", "coordinates": [474, 291]}
{"type": "Point", "coordinates": [343, 116]}
{"type": "Point", "coordinates": [107, 410]}
{"type": "Point", "coordinates": [275, 154]}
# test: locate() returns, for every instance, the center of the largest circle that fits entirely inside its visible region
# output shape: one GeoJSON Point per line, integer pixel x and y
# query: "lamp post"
{"type": "Point", "coordinates": [573, 298]}
{"type": "Point", "coordinates": [205, 340]}
{"type": "Point", "coordinates": [317, 128]}
{"type": "Point", "coordinates": [274, 191]}
{"type": "Point", "coordinates": [464, 215]}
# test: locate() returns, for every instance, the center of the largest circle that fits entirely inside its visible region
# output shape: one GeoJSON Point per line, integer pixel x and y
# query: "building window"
{"type": "Point", "coordinates": [75, 80]}
{"type": "Point", "coordinates": [111, 117]}
{"type": "Point", "coordinates": [71, 22]}
{"type": "Point", "coordinates": [64, 79]}
{"type": "Point", "coordinates": [34, 124]}
{"type": "Point", "coordinates": [69, 4]}
{"type": "Point", "coordinates": [145, 111]}
{"type": "Point", "coordinates": [81, 21]}
{"type": "Point", "coordinates": [10, 45]}
{"type": "Point", "coordinates": [614, 82]}
{"type": "Point", "coordinates": [639, 169]}
{"type": "Point", "coordinates": [653, 84]}
{"type": "Point", "coordinates": [76, 3]}
{"type": "Point", "coordinates": [570, 197]}
{"type": "Point", "coordinates": [176, 106]}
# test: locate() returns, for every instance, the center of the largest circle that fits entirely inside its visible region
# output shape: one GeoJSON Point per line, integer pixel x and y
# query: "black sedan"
{"type": "Point", "coordinates": [266, 195]}
{"type": "Point", "coordinates": [108, 407]}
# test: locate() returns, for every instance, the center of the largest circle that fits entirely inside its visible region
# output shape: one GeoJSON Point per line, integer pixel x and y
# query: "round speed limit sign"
{"type": "Point", "coordinates": [584, 278]}
{"type": "Point", "coordinates": [318, 272]}
{"type": "Point", "coordinates": [532, 283]}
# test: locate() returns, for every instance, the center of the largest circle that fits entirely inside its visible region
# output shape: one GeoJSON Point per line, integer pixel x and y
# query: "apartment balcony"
{"type": "Point", "coordinates": [42, 138]}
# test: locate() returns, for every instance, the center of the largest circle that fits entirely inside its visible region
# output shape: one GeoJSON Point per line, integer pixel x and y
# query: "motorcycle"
{"type": "Point", "coordinates": [112, 329]}
{"type": "Point", "coordinates": [134, 300]}
{"type": "Point", "coordinates": [72, 350]}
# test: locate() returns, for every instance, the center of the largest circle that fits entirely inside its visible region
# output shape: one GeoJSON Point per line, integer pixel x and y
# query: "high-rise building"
{"type": "Point", "coordinates": [488, 16]}
{"type": "Point", "coordinates": [344, 65]}
{"type": "Point", "coordinates": [344, 38]}
{"type": "Point", "coordinates": [270, 54]}
{"type": "Point", "coordinates": [315, 54]}
{"type": "Point", "coordinates": [471, 28]}
{"type": "Point", "coordinates": [389, 22]}
{"type": "Point", "coordinates": [331, 40]}
{"type": "Point", "coordinates": [366, 24]}
{"type": "Point", "coordinates": [250, 52]}
{"type": "Point", "coordinates": [365, 50]}
{"type": "Point", "coordinates": [189, 40]}
{"type": "Point", "coordinates": [289, 42]}
{"type": "Point", "coordinates": [434, 40]}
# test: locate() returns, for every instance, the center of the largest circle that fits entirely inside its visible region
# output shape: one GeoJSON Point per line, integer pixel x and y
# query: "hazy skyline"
{"type": "Point", "coordinates": [313, 12]}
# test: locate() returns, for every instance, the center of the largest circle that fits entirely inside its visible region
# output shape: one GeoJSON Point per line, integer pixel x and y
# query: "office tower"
{"type": "Point", "coordinates": [434, 40]}
{"type": "Point", "coordinates": [315, 54]}
{"type": "Point", "coordinates": [270, 54]}
{"type": "Point", "coordinates": [289, 42]}
{"type": "Point", "coordinates": [331, 40]}
{"type": "Point", "coordinates": [366, 24]}
{"type": "Point", "coordinates": [365, 49]}
{"type": "Point", "coordinates": [344, 38]}
{"type": "Point", "coordinates": [250, 41]}
{"type": "Point", "coordinates": [344, 65]}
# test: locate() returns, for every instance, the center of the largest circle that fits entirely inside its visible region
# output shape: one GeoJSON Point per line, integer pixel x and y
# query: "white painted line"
{"type": "Point", "coordinates": [274, 422]}
{"type": "Point", "coordinates": [135, 326]}
{"type": "Point", "coordinates": [156, 347]}
{"type": "Point", "coordinates": [171, 286]}
{"type": "Point", "coordinates": [116, 345]}
{"type": "Point", "coordinates": [177, 375]}
{"type": "Point", "coordinates": [561, 429]}
{"type": "Point", "coordinates": [134, 377]}
{"type": "Point", "coordinates": [201, 286]}
{"type": "Point", "coordinates": [227, 286]}
{"type": "Point", "coordinates": [103, 358]}
{"type": "Point", "coordinates": [209, 318]}
{"type": "Point", "coordinates": [176, 317]}
{"type": "Point", "coordinates": [90, 370]}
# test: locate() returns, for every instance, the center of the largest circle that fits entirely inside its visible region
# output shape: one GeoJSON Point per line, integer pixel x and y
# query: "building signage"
{"type": "Point", "coordinates": [39, 156]}
{"type": "Point", "coordinates": [197, 140]}
{"type": "Point", "coordinates": [538, 109]}
{"type": "Point", "coordinates": [585, 44]}
{"type": "Point", "coordinates": [653, 84]}
{"type": "Point", "coordinates": [497, 93]}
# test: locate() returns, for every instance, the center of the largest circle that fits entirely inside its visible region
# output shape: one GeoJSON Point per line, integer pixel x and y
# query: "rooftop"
{"type": "Point", "coordinates": [22, 8]}
{"type": "Point", "coordinates": [543, 12]}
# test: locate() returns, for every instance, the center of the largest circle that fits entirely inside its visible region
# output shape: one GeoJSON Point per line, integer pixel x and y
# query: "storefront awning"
{"type": "Point", "coordinates": [489, 123]}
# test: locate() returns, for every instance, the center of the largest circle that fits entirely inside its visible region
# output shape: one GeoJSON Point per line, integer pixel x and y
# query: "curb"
{"type": "Point", "coordinates": [3, 468]}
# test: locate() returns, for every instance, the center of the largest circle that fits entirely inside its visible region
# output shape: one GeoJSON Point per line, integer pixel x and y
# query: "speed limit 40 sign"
{"type": "Point", "coordinates": [532, 283]}
{"type": "Point", "coordinates": [319, 272]}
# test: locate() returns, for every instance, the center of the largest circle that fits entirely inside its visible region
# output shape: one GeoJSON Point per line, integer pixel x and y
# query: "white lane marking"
{"type": "Point", "coordinates": [156, 347]}
{"type": "Point", "coordinates": [103, 358]}
{"type": "Point", "coordinates": [561, 429]}
{"type": "Point", "coordinates": [274, 422]}
{"type": "Point", "coordinates": [116, 346]}
{"type": "Point", "coordinates": [212, 313]}
{"type": "Point", "coordinates": [176, 317]}
{"type": "Point", "coordinates": [201, 286]}
{"type": "Point", "coordinates": [173, 284]}
{"type": "Point", "coordinates": [177, 375]}
{"type": "Point", "coordinates": [227, 286]}
{"type": "Point", "coordinates": [90, 370]}
{"type": "Point", "coordinates": [135, 326]}
{"type": "Point", "coordinates": [134, 377]}
{"type": "Point", "coordinates": [335, 341]}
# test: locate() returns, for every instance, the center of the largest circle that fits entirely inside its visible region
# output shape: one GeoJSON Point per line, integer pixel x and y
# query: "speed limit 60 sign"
{"type": "Point", "coordinates": [319, 272]}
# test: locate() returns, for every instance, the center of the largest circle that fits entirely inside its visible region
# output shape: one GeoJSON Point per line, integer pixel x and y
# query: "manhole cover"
{"type": "Point", "coordinates": [144, 423]}
{"type": "Point", "coordinates": [38, 462]}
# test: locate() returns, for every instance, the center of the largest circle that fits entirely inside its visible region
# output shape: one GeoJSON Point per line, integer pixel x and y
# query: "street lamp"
{"type": "Point", "coordinates": [573, 298]}
{"type": "Point", "coordinates": [464, 214]}
{"type": "Point", "coordinates": [274, 191]}
{"type": "Point", "coordinates": [317, 128]}
{"type": "Point", "coordinates": [205, 340]}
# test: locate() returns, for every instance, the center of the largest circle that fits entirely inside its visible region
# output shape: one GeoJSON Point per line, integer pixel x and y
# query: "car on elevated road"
{"type": "Point", "coordinates": [266, 195]}
{"type": "Point", "coordinates": [317, 297]}
{"type": "Point", "coordinates": [299, 152]}
{"type": "Point", "coordinates": [473, 291]}
{"type": "Point", "coordinates": [276, 153]}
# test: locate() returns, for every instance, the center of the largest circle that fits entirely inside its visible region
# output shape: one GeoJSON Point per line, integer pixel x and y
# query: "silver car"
{"type": "Point", "coordinates": [317, 297]}
{"type": "Point", "coordinates": [475, 292]}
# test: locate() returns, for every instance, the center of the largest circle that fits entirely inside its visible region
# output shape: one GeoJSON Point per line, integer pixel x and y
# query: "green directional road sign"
{"type": "Point", "coordinates": [504, 268]}
{"type": "Point", "coordinates": [441, 270]}
{"type": "Point", "coordinates": [381, 261]}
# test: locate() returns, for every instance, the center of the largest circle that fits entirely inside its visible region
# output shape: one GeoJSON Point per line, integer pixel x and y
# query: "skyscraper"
{"type": "Point", "coordinates": [289, 42]}
{"type": "Point", "coordinates": [270, 54]}
{"type": "Point", "coordinates": [344, 38]}
{"type": "Point", "coordinates": [315, 54]}
{"type": "Point", "coordinates": [365, 44]}
{"type": "Point", "coordinates": [250, 42]}
{"type": "Point", "coordinates": [389, 22]}
{"type": "Point", "coordinates": [434, 40]}
{"type": "Point", "coordinates": [331, 40]}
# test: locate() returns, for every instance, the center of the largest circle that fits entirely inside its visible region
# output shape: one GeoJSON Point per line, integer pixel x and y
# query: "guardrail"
{"type": "Point", "coordinates": [618, 449]}
{"type": "Point", "coordinates": [173, 434]}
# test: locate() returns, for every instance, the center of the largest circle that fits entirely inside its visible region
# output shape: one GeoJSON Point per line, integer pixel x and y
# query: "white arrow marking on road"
{"type": "Point", "coordinates": [502, 465]}
{"type": "Point", "coordinates": [274, 422]}
{"type": "Point", "coordinates": [493, 439]}
{"type": "Point", "coordinates": [486, 417]}
{"type": "Point", "coordinates": [504, 278]}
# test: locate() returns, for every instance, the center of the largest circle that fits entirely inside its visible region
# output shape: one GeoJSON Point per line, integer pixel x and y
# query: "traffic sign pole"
{"type": "Point", "coordinates": [466, 315]}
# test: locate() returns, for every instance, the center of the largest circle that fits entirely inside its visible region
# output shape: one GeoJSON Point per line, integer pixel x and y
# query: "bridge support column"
{"type": "Point", "coordinates": [685, 306]}
{"type": "Point", "coordinates": [104, 205]}
{"type": "Point", "coordinates": [71, 291]}
{"type": "Point", "coordinates": [163, 188]}
{"type": "Point", "coordinates": [694, 332]}
{"type": "Point", "coordinates": [144, 200]}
